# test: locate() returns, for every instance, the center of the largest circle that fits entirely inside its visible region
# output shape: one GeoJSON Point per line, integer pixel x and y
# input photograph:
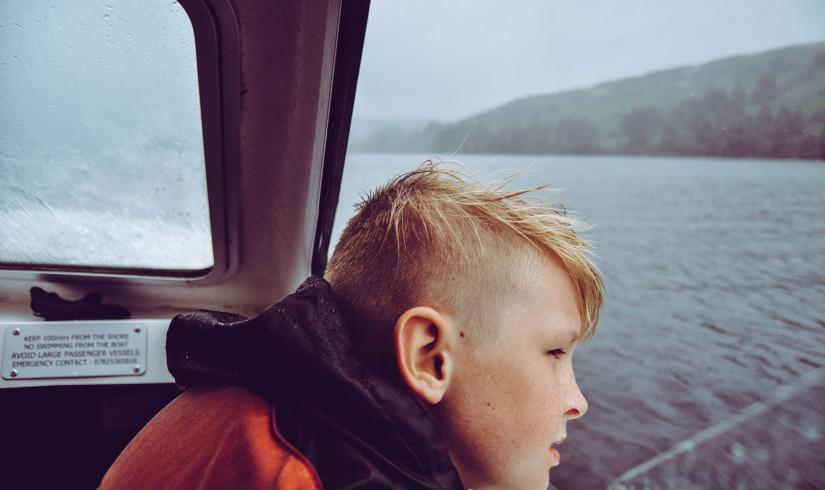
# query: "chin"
{"type": "Point", "coordinates": [540, 482]}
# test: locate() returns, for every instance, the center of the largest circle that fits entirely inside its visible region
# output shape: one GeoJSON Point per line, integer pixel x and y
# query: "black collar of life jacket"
{"type": "Point", "coordinates": [358, 429]}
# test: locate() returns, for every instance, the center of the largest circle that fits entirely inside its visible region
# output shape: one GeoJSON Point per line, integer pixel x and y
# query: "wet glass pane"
{"type": "Point", "coordinates": [101, 148]}
{"type": "Point", "coordinates": [692, 136]}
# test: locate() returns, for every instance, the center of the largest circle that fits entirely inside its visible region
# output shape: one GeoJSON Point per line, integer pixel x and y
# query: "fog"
{"type": "Point", "coordinates": [446, 60]}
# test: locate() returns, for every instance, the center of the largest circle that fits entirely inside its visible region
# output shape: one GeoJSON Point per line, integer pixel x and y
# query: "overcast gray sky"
{"type": "Point", "coordinates": [445, 60]}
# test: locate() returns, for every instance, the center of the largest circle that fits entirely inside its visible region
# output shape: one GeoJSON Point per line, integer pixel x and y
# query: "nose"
{"type": "Point", "coordinates": [575, 403]}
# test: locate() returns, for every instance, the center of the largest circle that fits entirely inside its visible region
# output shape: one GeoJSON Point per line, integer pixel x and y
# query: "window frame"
{"type": "Point", "coordinates": [352, 28]}
{"type": "Point", "coordinates": [215, 30]}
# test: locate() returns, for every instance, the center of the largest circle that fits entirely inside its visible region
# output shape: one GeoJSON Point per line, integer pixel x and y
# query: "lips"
{"type": "Point", "coordinates": [555, 452]}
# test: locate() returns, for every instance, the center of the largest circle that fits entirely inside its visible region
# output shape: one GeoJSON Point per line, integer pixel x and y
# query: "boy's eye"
{"type": "Point", "coordinates": [557, 353]}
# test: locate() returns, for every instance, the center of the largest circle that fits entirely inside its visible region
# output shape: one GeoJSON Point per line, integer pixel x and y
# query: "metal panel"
{"type": "Point", "coordinates": [74, 350]}
{"type": "Point", "coordinates": [83, 352]}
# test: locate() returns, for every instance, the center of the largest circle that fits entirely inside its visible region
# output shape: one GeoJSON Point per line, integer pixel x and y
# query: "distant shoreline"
{"type": "Point", "coordinates": [767, 105]}
{"type": "Point", "coordinates": [458, 156]}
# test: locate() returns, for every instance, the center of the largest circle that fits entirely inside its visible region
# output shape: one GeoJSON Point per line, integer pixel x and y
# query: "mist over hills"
{"type": "Point", "coordinates": [768, 105]}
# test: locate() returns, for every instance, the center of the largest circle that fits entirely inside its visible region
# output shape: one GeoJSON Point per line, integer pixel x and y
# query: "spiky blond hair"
{"type": "Point", "coordinates": [437, 236]}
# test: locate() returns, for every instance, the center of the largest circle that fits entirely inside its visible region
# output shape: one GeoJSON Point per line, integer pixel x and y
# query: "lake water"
{"type": "Point", "coordinates": [713, 329]}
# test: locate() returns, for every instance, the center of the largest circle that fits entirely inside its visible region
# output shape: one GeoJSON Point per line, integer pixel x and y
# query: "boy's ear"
{"type": "Point", "coordinates": [423, 352]}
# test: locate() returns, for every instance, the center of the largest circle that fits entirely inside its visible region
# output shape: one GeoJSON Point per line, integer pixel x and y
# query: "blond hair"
{"type": "Point", "coordinates": [437, 236]}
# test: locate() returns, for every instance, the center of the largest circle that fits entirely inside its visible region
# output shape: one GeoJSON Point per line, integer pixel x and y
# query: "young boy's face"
{"type": "Point", "coordinates": [509, 399]}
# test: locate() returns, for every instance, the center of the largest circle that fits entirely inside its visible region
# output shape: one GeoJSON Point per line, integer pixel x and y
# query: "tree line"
{"type": "Point", "coordinates": [718, 123]}
{"type": "Point", "coordinates": [768, 105]}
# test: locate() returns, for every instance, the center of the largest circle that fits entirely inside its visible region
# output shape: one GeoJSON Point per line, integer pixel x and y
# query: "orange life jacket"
{"type": "Point", "coordinates": [212, 438]}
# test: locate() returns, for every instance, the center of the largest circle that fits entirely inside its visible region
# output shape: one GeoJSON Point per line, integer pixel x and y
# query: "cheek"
{"type": "Point", "coordinates": [536, 403]}
{"type": "Point", "coordinates": [522, 406]}
{"type": "Point", "coordinates": [504, 416]}
{"type": "Point", "coordinates": [531, 417]}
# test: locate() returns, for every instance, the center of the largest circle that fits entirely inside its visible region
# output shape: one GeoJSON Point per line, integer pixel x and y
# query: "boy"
{"type": "Point", "coordinates": [436, 354]}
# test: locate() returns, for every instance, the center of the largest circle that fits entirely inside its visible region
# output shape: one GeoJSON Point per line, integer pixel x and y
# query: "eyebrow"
{"type": "Point", "coordinates": [572, 337]}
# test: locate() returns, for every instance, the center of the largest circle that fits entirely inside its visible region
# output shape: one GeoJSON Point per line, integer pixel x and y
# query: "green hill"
{"type": "Point", "coordinates": [769, 104]}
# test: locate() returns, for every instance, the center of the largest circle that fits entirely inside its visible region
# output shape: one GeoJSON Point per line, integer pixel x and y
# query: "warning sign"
{"type": "Point", "coordinates": [74, 349]}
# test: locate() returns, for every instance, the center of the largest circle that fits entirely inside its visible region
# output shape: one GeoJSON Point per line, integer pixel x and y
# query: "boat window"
{"type": "Point", "coordinates": [101, 146]}
{"type": "Point", "coordinates": [691, 136]}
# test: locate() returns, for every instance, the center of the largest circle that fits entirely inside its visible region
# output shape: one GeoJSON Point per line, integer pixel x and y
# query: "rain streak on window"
{"type": "Point", "coordinates": [101, 148]}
